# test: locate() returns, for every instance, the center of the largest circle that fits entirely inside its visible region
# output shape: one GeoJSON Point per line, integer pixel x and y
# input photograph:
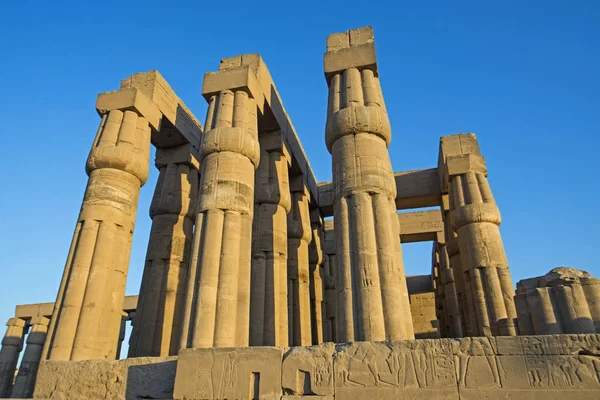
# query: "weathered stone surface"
{"type": "Point", "coordinates": [565, 300]}
{"type": "Point", "coordinates": [308, 371]}
{"type": "Point", "coordinates": [391, 370]}
{"type": "Point", "coordinates": [134, 378]}
{"type": "Point", "coordinates": [238, 373]}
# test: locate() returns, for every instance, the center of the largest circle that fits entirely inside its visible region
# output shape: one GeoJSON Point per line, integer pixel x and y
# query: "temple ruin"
{"type": "Point", "coordinates": [262, 283]}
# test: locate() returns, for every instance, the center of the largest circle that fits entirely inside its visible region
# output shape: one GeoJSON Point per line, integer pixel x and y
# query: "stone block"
{"type": "Point", "coordinates": [308, 371]}
{"type": "Point", "coordinates": [362, 56]}
{"type": "Point", "coordinates": [242, 78]}
{"type": "Point", "coordinates": [229, 373]}
{"type": "Point", "coordinates": [462, 164]}
{"type": "Point", "coordinates": [130, 99]}
{"type": "Point", "coordinates": [133, 378]}
{"type": "Point", "coordinates": [420, 369]}
{"type": "Point", "coordinates": [183, 154]}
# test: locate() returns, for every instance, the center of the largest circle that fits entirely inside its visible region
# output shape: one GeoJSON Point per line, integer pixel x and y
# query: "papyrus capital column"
{"type": "Point", "coordinates": [12, 343]}
{"type": "Point", "coordinates": [373, 299]}
{"type": "Point", "coordinates": [159, 315]}
{"type": "Point", "coordinates": [476, 219]}
{"type": "Point", "coordinates": [299, 237]}
{"type": "Point", "coordinates": [87, 312]}
{"type": "Point", "coordinates": [217, 304]}
{"type": "Point", "coordinates": [268, 299]}
{"type": "Point", "coordinates": [25, 381]}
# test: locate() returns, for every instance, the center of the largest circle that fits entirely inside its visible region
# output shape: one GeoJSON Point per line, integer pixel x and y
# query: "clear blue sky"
{"type": "Point", "coordinates": [522, 75]}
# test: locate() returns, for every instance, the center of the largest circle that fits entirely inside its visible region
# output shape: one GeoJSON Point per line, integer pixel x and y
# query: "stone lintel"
{"type": "Point", "coordinates": [420, 226]}
{"type": "Point", "coordinates": [414, 189]}
{"type": "Point", "coordinates": [27, 311]}
{"type": "Point", "coordinates": [130, 99]}
{"type": "Point", "coordinates": [183, 154]}
{"type": "Point", "coordinates": [241, 78]}
{"type": "Point", "coordinates": [457, 165]}
{"type": "Point", "coordinates": [274, 115]}
{"type": "Point", "coordinates": [351, 49]}
{"type": "Point", "coordinates": [419, 284]}
{"type": "Point", "coordinates": [183, 126]}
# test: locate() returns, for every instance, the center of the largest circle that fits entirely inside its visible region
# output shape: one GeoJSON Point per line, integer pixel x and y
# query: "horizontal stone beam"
{"type": "Point", "coordinates": [179, 125]}
{"type": "Point", "coordinates": [415, 189]}
{"type": "Point", "coordinates": [415, 226]}
{"type": "Point", "coordinates": [27, 311]}
{"type": "Point", "coordinates": [421, 226]}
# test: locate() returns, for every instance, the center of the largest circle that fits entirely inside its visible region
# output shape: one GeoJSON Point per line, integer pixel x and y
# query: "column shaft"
{"type": "Point", "coordinates": [87, 313]}
{"type": "Point", "coordinates": [476, 219]}
{"type": "Point", "coordinates": [545, 321]}
{"type": "Point", "coordinates": [268, 298]}
{"type": "Point", "coordinates": [25, 380]}
{"type": "Point", "coordinates": [317, 288]}
{"type": "Point", "coordinates": [12, 343]}
{"type": "Point", "coordinates": [299, 236]}
{"type": "Point", "coordinates": [373, 301]}
{"type": "Point", "coordinates": [158, 318]}
{"type": "Point", "coordinates": [217, 303]}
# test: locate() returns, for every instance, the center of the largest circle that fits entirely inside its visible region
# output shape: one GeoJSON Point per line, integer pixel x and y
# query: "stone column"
{"type": "Point", "coordinates": [451, 305]}
{"type": "Point", "coordinates": [87, 312]}
{"type": "Point", "coordinates": [159, 315]}
{"type": "Point", "coordinates": [440, 295]}
{"type": "Point", "coordinates": [465, 299]}
{"type": "Point", "coordinates": [315, 257]}
{"type": "Point", "coordinates": [299, 236]}
{"type": "Point", "coordinates": [25, 381]}
{"type": "Point", "coordinates": [544, 319]}
{"type": "Point", "coordinates": [329, 279]}
{"type": "Point", "coordinates": [268, 296]}
{"type": "Point", "coordinates": [591, 288]}
{"type": "Point", "coordinates": [524, 316]}
{"type": "Point", "coordinates": [373, 299]}
{"type": "Point", "coordinates": [121, 337]}
{"type": "Point", "coordinates": [476, 219]}
{"type": "Point", "coordinates": [217, 308]}
{"type": "Point", "coordinates": [12, 343]}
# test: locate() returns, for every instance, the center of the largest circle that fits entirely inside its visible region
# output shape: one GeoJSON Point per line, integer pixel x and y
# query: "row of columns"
{"type": "Point", "coordinates": [563, 301]}
{"type": "Point", "coordinates": [22, 385]}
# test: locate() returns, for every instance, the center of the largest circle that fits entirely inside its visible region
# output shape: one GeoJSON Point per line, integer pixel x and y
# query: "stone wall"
{"type": "Point", "coordinates": [130, 379]}
{"type": "Point", "coordinates": [524, 367]}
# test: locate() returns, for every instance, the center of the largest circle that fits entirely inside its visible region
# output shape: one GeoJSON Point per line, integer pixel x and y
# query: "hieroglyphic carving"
{"type": "Point", "coordinates": [308, 370]}
{"type": "Point", "coordinates": [476, 363]}
{"type": "Point", "coordinates": [234, 373]}
{"type": "Point", "coordinates": [402, 365]}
